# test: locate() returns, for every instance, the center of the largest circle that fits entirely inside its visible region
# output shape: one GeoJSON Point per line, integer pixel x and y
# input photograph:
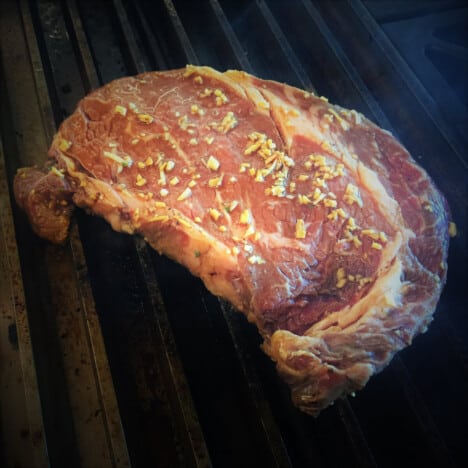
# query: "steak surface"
{"type": "Point", "coordinates": [308, 218]}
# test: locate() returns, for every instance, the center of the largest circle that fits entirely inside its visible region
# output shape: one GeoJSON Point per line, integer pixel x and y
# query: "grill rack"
{"type": "Point", "coordinates": [104, 361]}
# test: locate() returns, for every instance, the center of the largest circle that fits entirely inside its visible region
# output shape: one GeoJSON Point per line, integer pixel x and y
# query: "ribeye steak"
{"type": "Point", "coordinates": [311, 220]}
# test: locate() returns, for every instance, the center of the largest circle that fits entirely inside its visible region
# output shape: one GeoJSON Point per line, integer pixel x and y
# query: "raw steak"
{"type": "Point", "coordinates": [307, 217]}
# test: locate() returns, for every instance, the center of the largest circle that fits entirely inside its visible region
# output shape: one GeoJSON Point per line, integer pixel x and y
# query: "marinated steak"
{"type": "Point", "coordinates": [307, 217]}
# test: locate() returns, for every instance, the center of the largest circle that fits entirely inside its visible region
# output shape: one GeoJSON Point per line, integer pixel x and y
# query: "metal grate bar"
{"type": "Point", "coordinates": [347, 66]}
{"type": "Point", "coordinates": [154, 48]}
{"type": "Point", "coordinates": [233, 42]}
{"type": "Point", "coordinates": [138, 61]}
{"type": "Point", "coordinates": [269, 426]}
{"type": "Point", "coordinates": [409, 77]}
{"type": "Point", "coordinates": [78, 37]}
{"type": "Point", "coordinates": [92, 398]}
{"type": "Point", "coordinates": [184, 41]}
{"type": "Point", "coordinates": [20, 406]}
{"type": "Point", "coordinates": [426, 422]}
{"type": "Point", "coordinates": [283, 43]}
{"type": "Point", "coordinates": [135, 362]}
{"type": "Point", "coordinates": [179, 395]}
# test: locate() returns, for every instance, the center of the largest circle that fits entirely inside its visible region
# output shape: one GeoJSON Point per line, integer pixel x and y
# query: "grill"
{"type": "Point", "coordinates": [113, 356]}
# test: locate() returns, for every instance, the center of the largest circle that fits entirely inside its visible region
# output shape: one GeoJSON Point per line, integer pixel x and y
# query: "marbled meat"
{"type": "Point", "coordinates": [307, 217]}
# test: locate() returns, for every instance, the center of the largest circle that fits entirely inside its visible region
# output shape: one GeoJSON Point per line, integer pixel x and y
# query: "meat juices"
{"type": "Point", "coordinates": [308, 218]}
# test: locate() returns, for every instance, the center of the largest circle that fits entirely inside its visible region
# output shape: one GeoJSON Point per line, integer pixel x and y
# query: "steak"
{"type": "Point", "coordinates": [307, 217]}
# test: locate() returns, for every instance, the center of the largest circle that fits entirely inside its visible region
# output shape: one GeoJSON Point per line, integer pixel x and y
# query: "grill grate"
{"type": "Point", "coordinates": [120, 356]}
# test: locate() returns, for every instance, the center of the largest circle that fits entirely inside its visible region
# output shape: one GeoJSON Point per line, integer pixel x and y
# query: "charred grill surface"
{"type": "Point", "coordinates": [114, 356]}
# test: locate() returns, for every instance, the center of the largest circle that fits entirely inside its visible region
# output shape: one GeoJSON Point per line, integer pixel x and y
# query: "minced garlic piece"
{"type": "Point", "coordinates": [319, 182]}
{"type": "Point", "coordinates": [319, 199]}
{"type": "Point", "coordinates": [243, 167]}
{"type": "Point", "coordinates": [376, 246]}
{"type": "Point", "coordinates": [372, 233]}
{"type": "Point", "coordinates": [341, 283]}
{"type": "Point", "coordinates": [198, 79]}
{"type": "Point", "coordinates": [64, 145]}
{"type": "Point", "coordinates": [339, 212]}
{"type": "Point", "coordinates": [192, 183]}
{"type": "Point", "coordinates": [303, 177]}
{"type": "Point", "coordinates": [140, 181]}
{"type": "Point", "coordinates": [278, 191]}
{"type": "Point", "coordinates": [214, 213]}
{"type": "Point", "coordinates": [206, 92]}
{"type": "Point", "coordinates": [232, 206]}
{"type": "Point", "coordinates": [452, 229]}
{"type": "Point", "coordinates": [304, 199]}
{"type": "Point", "coordinates": [356, 241]}
{"type": "Point", "coordinates": [318, 160]}
{"type": "Point", "coordinates": [316, 194]}
{"type": "Point", "coordinates": [164, 192]}
{"type": "Point", "coordinates": [120, 110]}
{"type": "Point", "coordinates": [215, 182]}
{"type": "Point", "coordinates": [197, 219]}
{"type": "Point", "coordinates": [255, 260]}
{"type": "Point", "coordinates": [340, 273]}
{"type": "Point", "coordinates": [258, 139]}
{"type": "Point", "coordinates": [160, 218]}
{"type": "Point", "coordinates": [195, 110]}
{"type": "Point", "coordinates": [344, 125]}
{"type": "Point", "coordinates": [169, 165]}
{"type": "Point", "coordinates": [149, 161]}
{"type": "Point", "coordinates": [329, 203]}
{"type": "Point", "coordinates": [222, 228]}
{"type": "Point", "coordinates": [363, 281]}
{"type": "Point", "coordinates": [145, 118]}
{"type": "Point", "coordinates": [185, 194]}
{"type": "Point", "coordinates": [245, 217]}
{"type": "Point", "coordinates": [351, 225]}
{"type": "Point", "coordinates": [141, 165]}
{"type": "Point", "coordinates": [339, 170]}
{"type": "Point", "coordinates": [162, 177]}
{"type": "Point", "coordinates": [184, 123]}
{"type": "Point", "coordinates": [183, 221]}
{"type": "Point", "coordinates": [209, 140]}
{"type": "Point", "coordinates": [300, 229]}
{"type": "Point", "coordinates": [212, 163]}
{"type": "Point", "coordinates": [249, 231]}
{"type": "Point", "coordinates": [352, 195]}
{"type": "Point", "coordinates": [174, 181]}
{"type": "Point", "coordinates": [248, 248]}
{"type": "Point", "coordinates": [57, 172]}
{"type": "Point", "coordinates": [228, 123]}
{"type": "Point", "coordinates": [221, 98]}
{"type": "Point", "coordinates": [193, 141]}
{"type": "Point", "coordinates": [126, 162]}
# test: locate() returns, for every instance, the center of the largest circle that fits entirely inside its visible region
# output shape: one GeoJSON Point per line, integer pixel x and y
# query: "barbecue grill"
{"type": "Point", "coordinates": [113, 356]}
